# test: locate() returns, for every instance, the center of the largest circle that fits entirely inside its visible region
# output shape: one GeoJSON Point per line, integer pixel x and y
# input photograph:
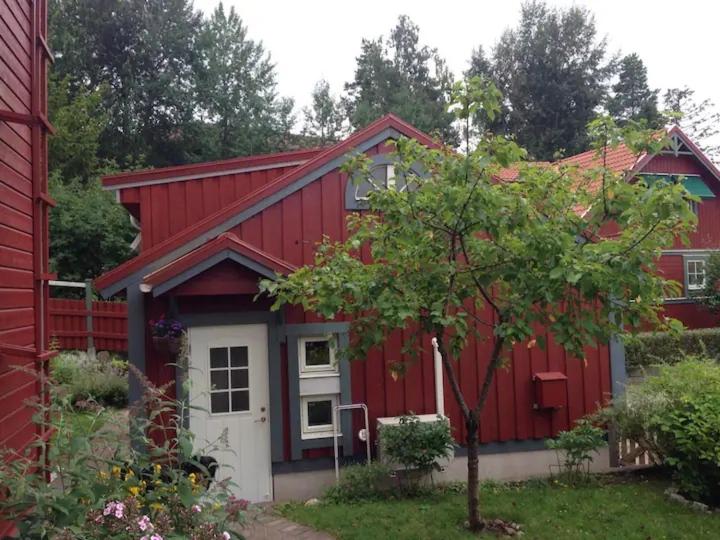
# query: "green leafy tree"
{"type": "Point", "coordinates": [553, 73]}
{"type": "Point", "coordinates": [700, 120]}
{"type": "Point", "coordinates": [398, 75]}
{"type": "Point", "coordinates": [458, 254]}
{"type": "Point", "coordinates": [632, 98]}
{"type": "Point", "coordinates": [237, 90]}
{"type": "Point", "coordinates": [143, 53]}
{"type": "Point", "coordinates": [89, 232]}
{"type": "Point", "coordinates": [324, 119]}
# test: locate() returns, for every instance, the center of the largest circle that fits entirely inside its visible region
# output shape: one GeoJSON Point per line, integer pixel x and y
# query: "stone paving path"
{"type": "Point", "coordinates": [263, 524]}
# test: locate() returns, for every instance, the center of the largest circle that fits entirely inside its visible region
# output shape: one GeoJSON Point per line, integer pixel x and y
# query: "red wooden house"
{"type": "Point", "coordinates": [23, 219]}
{"type": "Point", "coordinates": [207, 234]}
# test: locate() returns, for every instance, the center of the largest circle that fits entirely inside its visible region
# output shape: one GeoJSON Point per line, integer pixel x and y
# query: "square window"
{"type": "Point", "coordinates": [219, 402]}
{"type": "Point", "coordinates": [241, 400]}
{"type": "Point", "coordinates": [695, 272]}
{"type": "Point", "coordinates": [219, 380]}
{"type": "Point", "coordinates": [238, 356]}
{"type": "Point", "coordinates": [239, 378]}
{"type": "Point", "coordinates": [319, 413]}
{"type": "Point", "coordinates": [317, 354]}
{"type": "Point", "coordinates": [218, 357]}
{"type": "Point", "coordinates": [316, 415]}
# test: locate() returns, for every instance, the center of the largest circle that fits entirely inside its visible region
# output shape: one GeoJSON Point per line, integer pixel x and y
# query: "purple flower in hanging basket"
{"type": "Point", "coordinates": [166, 328]}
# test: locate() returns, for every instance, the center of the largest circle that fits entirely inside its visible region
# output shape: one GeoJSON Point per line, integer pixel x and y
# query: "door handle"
{"type": "Point", "coordinates": [262, 419]}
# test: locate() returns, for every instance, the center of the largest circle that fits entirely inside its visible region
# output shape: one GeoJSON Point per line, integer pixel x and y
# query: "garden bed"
{"type": "Point", "coordinates": [632, 507]}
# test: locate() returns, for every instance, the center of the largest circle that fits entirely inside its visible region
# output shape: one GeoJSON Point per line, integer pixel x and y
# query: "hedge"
{"type": "Point", "coordinates": [651, 348]}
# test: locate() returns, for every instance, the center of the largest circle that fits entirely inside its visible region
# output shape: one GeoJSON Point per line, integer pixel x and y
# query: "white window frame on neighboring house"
{"type": "Point", "coordinates": [320, 431]}
{"type": "Point", "coordinates": [693, 261]}
{"type": "Point", "coordinates": [324, 369]}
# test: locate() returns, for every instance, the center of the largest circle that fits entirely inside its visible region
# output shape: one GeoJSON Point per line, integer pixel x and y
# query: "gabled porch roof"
{"type": "Point", "coordinates": [227, 246]}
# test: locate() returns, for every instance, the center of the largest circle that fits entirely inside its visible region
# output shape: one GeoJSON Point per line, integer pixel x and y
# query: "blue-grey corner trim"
{"type": "Point", "coordinates": [389, 133]}
{"type": "Point", "coordinates": [292, 333]}
{"type": "Point", "coordinates": [136, 339]}
{"type": "Point", "coordinates": [274, 323]}
{"type": "Point", "coordinates": [618, 369]}
{"type": "Point", "coordinates": [227, 254]}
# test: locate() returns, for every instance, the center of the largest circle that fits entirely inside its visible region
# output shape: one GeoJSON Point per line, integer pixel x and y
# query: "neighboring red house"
{"type": "Point", "coordinates": [269, 380]}
{"type": "Point", "coordinates": [23, 218]}
{"type": "Point", "coordinates": [684, 161]}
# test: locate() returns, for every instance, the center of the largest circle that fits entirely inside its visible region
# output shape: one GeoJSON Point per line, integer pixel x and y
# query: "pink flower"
{"type": "Point", "coordinates": [144, 524]}
{"type": "Point", "coordinates": [156, 537]}
{"type": "Point", "coordinates": [226, 535]}
{"type": "Point", "coordinates": [196, 508]}
{"type": "Point", "coordinates": [119, 510]}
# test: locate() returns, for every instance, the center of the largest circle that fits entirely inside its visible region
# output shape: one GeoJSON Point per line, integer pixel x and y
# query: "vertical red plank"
{"type": "Point", "coordinates": [272, 230]}
{"type": "Point", "coordinates": [523, 391]}
{"type": "Point", "coordinates": [541, 419]}
{"type": "Point", "coordinates": [161, 212]}
{"type": "Point", "coordinates": [177, 206]}
{"type": "Point", "coordinates": [227, 190]}
{"type": "Point", "coordinates": [394, 389]}
{"type": "Point", "coordinates": [195, 202]}
{"type": "Point", "coordinates": [211, 196]}
{"type": "Point", "coordinates": [413, 379]}
{"type": "Point", "coordinates": [332, 205]}
{"type": "Point", "coordinates": [375, 387]}
{"type": "Point", "coordinates": [148, 239]}
{"type": "Point", "coordinates": [251, 230]}
{"type": "Point", "coordinates": [292, 229]}
{"type": "Point", "coordinates": [257, 179]}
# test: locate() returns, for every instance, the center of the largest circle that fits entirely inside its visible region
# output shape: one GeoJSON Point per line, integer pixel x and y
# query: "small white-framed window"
{"type": "Point", "coordinates": [316, 413]}
{"type": "Point", "coordinates": [229, 380]}
{"type": "Point", "coordinates": [695, 274]}
{"type": "Point", "coordinates": [694, 207]}
{"type": "Point", "coordinates": [317, 355]}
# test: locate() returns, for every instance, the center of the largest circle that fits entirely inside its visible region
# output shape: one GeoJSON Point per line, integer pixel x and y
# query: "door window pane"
{"type": "Point", "coordinates": [219, 402]}
{"type": "Point", "coordinates": [239, 378]}
{"type": "Point", "coordinates": [238, 356]}
{"type": "Point", "coordinates": [241, 400]}
{"type": "Point", "coordinates": [219, 379]}
{"type": "Point", "coordinates": [218, 357]}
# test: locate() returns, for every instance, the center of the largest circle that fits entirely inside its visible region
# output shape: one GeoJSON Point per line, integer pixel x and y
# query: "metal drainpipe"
{"type": "Point", "coordinates": [439, 384]}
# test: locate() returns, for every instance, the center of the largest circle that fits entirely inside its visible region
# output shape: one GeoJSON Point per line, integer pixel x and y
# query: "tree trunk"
{"type": "Point", "coordinates": [475, 523]}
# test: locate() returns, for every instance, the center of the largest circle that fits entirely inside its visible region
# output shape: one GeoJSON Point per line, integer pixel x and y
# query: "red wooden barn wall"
{"type": "Point", "coordinates": [23, 216]}
{"type": "Point", "coordinates": [68, 325]}
{"type": "Point", "coordinates": [291, 229]}
{"type": "Point", "coordinates": [166, 209]}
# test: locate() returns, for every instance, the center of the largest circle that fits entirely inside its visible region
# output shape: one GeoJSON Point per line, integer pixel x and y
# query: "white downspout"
{"type": "Point", "coordinates": [439, 384]}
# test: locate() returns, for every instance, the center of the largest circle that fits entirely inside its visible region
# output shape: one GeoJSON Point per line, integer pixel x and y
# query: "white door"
{"type": "Point", "coordinates": [229, 382]}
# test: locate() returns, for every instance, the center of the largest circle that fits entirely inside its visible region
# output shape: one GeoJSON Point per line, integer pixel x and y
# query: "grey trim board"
{"type": "Point", "coordinates": [235, 220]}
{"type": "Point", "coordinates": [209, 263]}
{"type": "Point", "coordinates": [293, 332]}
{"type": "Point", "coordinates": [136, 352]}
{"type": "Point", "coordinates": [273, 320]}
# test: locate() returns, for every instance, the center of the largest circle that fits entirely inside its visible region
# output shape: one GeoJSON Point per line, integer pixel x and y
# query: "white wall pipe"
{"type": "Point", "coordinates": [439, 384]}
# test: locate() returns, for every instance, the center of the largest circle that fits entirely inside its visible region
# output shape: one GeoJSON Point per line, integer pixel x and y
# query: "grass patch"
{"type": "Point", "coordinates": [634, 509]}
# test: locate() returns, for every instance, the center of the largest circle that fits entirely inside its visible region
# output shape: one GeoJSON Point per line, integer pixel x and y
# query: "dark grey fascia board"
{"type": "Point", "coordinates": [136, 277]}
{"type": "Point", "coordinates": [208, 263]}
{"type": "Point", "coordinates": [274, 322]}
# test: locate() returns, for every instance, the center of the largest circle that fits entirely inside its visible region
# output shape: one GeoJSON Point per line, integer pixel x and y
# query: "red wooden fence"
{"type": "Point", "coordinates": [68, 325]}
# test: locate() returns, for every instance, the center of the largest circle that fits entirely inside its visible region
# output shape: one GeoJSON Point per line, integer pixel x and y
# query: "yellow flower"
{"type": "Point", "coordinates": [157, 506]}
{"type": "Point", "coordinates": [134, 490]}
{"type": "Point", "coordinates": [158, 468]}
{"type": "Point", "coordinates": [130, 474]}
{"type": "Point", "coordinates": [193, 478]}
{"type": "Point", "coordinates": [103, 475]}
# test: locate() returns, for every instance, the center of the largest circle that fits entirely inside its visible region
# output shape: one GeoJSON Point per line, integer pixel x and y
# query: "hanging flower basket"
{"type": "Point", "coordinates": [166, 335]}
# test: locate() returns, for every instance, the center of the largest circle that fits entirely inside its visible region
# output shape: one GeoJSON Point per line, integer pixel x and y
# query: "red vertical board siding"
{"type": "Point", "coordinates": [68, 325]}
{"type": "Point", "coordinates": [23, 221]}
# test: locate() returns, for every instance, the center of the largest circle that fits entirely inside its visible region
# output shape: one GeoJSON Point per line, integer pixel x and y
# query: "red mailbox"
{"type": "Point", "coordinates": [550, 390]}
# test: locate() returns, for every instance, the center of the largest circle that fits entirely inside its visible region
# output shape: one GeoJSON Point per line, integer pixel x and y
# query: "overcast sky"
{"type": "Point", "coordinates": [314, 39]}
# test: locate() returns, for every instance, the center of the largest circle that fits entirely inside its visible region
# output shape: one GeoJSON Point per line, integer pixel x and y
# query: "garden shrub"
{"type": "Point", "coordinates": [651, 348]}
{"type": "Point", "coordinates": [105, 488]}
{"type": "Point", "coordinates": [103, 380]}
{"type": "Point", "coordinates": [575, 449]}
{"type": "Point", "coordinates": [675, 417]}
{"type": "Point", "coordinates": [362, 483]}
{"type": "Point", "coordinates": [417, 445]}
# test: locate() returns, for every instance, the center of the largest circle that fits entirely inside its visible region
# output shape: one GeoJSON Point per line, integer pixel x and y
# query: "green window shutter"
{"type": "Point", "coordinates": [692, 182]}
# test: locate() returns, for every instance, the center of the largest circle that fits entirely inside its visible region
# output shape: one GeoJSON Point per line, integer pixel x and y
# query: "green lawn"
{"type": "Point", "coordinates": [634, 509]}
